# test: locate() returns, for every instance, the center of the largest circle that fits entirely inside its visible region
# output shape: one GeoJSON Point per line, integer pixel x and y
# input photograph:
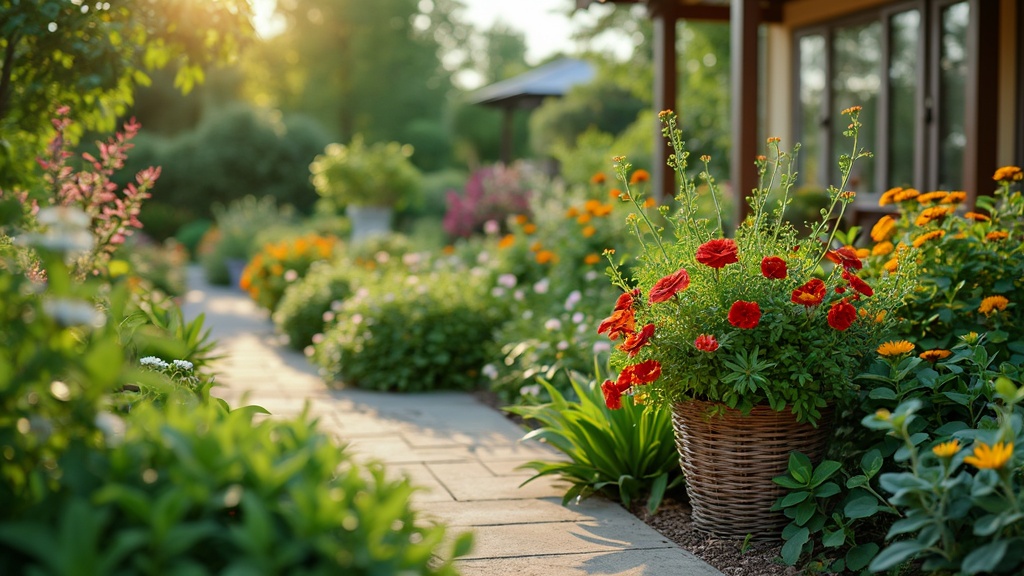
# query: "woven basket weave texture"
{"type": "Point", "coordinates": [729, 461]}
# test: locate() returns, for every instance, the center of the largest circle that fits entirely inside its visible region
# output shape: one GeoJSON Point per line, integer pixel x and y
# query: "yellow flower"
{"type": "Point", "coordinates": [591, 259]}
{"type": "Point", "coordinates": [955, 197]}
{"type": "Point", "coordinates": [947, 449]}
{"type": "Point", "coordinates": [991, 303]}
{"type": "Point", "coordinates": [930, 197]}
{"type": "Point", "coordinates": [883, 414]}
{"type": "Point", "coordinates": [546, 257]}
{"type": "Point", "coordinates": [882, 249]}
{"type": "Point", "coordinates": [929, 215]}
{"type": "Point", "coordinates": [987, 457]}
{"type": "Point", "coordinates": [934, 355]}
{"type": "Point", "coordinates": [883, 229]}
{"type": "Point", "coordinates": [970, 337]}
{"type": "Point", "coordinates": [895, 348]}
{"type": "Point", "coordinates": [1008, 173]}
{"type": "Point", "coordinates": [997, 235]}
{"type": "Point", "coordinates": [589, 231]}
{"type": "Point", "coordinates": [976, 217]}
{"type": "Point", "coordinates": [928, 236]}
{"type": "Point", "coordinates": [904, 195]}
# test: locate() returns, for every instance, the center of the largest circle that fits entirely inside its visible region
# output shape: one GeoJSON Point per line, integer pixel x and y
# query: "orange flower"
{"type": "Point", "coordinates": [883, 229]}
{"type": "Point", "coordinates": [947, 449]}
{"type": "Point", "coordinates": [895, 348]}
{"type": "Point", "coordinates": [810, 294]}
{"type": "Point", "coordinates": [882, 249]}
{"type": "Point", "coordinates": [650, 203]}
{"type": "Point", "coordinates": [603, 210]}
{"type": "Point", "coordinates": [640, 175]}
{"type": "Point", "coordinates": [591, 259]}
{"type": "Point", "coordinates": [929, 215]}
{"type": "Point", "coordinates": [643, 373]}
{"type": "Point", "coordinates": [928, 236]}
{"type": "Point", "coordinates": [615, 193]}
{"type": "Point", "coordinates": [887, 197]}
{"type": "Point", "coordinates": [997, 235]}
{"type": "Point", "coordinates": [529, 228]}
{"type": "Point", "coordinates": [506, 241]}
{"type": "Point", "coordinates": [622, 321]}
{"type": "Point", "coordinates": [637, 340]}
{"type": "Point", "coordinates": [598, 178]}
{"type": "Point", "coordinates": [977, 217]}
{"type": "Point", "coordinates": [583, 218]}
{"type": "Point", "coordinates": [588, 231]}
{"type": "Point", "coordinates": [572, 212]}
{"type": "Point", "coordinates": [987, 457]}
{"type": "Point", "coordinates": [934, 355]}
{"type": "Point", "coordinates": [990, 304]}
{"type": "Point", "coordinates": [845, 257]}
{"type": "Point", "coordinates": [906, 194]}
{"type": "Point", "coordinates": [930, 197]}
{"type": "Point", "coordinates": [891, 265]}
{"type": "Point", "coordinates": [448, 250]}
{"type": "Point", "coordinates": [1008, 173]}
{"type": "Point", "coordinates": [521, 219]}
{"type": "Point", "coordinates": [536, 246]}
{"type": "Point", "coordinates": [546, 257]}
{"type": "Point", "coordinates": [955, 197]}
{"type": "Point", "coordinates": [858, 284]}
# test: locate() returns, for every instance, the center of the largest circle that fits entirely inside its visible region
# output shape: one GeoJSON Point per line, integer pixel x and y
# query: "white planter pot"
{"type": "Point", "coordinates": [369, 221]}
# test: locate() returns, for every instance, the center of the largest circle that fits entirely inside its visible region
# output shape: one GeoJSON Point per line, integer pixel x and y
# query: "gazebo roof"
{"type": "Point", "coordinates": [529, 88]}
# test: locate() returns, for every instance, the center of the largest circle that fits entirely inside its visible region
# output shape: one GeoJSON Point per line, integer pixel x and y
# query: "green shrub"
{"type": "Point", "coordinates": [191, 233]}
{"type": "Point", "coordinates": [411, 333]}
{"type": "Point", "coordinates": [301, 312]}
{"type": "Point", "coordinates": [625, 454]}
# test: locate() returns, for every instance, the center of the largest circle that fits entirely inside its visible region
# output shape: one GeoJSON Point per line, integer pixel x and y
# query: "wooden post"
{"type": "Point", "coordinates": [663, 178]}
{"type": "Point", "coordinates": [507, 136]}
{"type": "Point", "coordinates": [743, 29]}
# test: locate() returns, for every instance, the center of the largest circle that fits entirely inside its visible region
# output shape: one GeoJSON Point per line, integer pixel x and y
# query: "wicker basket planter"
{"type": "Point", "coordinates": [729, 461]}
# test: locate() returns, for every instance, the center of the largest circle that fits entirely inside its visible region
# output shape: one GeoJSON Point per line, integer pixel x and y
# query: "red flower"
{"type": "Point", "coordinates": [642, 373]}
{"type": "Point", "coordinates": [773, 268]}
{"type": "Point", "coordinates": [810, 294]}
{"type": "Point", "coordinates": [668, 286]}
{"type": "Point", "coordinates": [841, 315]}
{"type": "Point", "coordinates": [857, 284]}
{"type": "Point", "coordinates": [626, 300]}
{"type": "Point", "coordinates": [619, 323]}
{"type": "Point", "coordinates": [612, 395]}
{"type": "Point", "coordinates": [634, 342]}
{"type": "Point", "coordinates": [744, 315]}
{"type": "Point", "coordinates": [706, 343]}
{"type": "Point", "coordinates": [845, 257]}
{"type": "Point", "coordinates": [717, 253]}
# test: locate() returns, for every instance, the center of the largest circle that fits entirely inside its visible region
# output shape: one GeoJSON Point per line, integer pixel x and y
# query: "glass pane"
{"type": "Point", "coordinates": [903, 67]}
{"type": "Point", "coordinates": [856, 79]}
{"type": "Point", "coordinates": [952, 87]}
{"type": "Point", "coordinates": [812, 92]}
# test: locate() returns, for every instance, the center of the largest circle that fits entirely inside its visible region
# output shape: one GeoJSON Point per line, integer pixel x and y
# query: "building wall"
{"type": "Point", "coordinates": [1009, 69]}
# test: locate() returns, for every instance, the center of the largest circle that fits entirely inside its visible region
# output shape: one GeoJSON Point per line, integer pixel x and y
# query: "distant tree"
{"type": "Point", "coordinates": [89, 56]}
{"type": "Point", "coordinates": [504, 53]}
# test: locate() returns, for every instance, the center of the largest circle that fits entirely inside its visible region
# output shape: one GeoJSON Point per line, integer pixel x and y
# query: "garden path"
{"type": "Point", "coordinates": [461, 452]}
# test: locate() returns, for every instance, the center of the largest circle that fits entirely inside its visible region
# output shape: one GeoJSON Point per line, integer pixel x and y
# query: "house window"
{"type": "Point", "coordinates": [906, 65]}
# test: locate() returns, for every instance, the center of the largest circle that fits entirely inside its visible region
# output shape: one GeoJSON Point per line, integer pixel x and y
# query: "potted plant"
{"type": "Point", "coordinates": [750, 340]}
{"type": "Point", "coordinates": [368, 181]}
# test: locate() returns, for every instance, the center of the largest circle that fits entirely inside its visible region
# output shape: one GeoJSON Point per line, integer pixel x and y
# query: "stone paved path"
{"type": "Point", "coordinates": [462, 453]}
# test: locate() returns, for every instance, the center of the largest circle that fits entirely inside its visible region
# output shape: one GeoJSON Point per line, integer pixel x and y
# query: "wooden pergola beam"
{"type": "Point", "coordinates": [666, 86]}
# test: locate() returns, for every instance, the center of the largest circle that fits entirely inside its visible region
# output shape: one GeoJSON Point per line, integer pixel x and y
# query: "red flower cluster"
{"type": "Point", "coordinates": [635, 375]}
{"type": "Point", "coordinates": [718, 253]}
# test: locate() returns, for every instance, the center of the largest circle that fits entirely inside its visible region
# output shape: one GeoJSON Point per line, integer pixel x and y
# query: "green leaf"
{"type": "Point", "coordinates": [794, 498]}
{"type": "Point", "coordinates": [827, 490]}
{"type": "Point", "coordinates": [824, 471]}
{"type": "Point", "coordinates": [857, 481]}
{"type": "Point", "coordinates": [909, 524]}
{"type": "Point", "coordinates": [805, 511]}
{"type": "Point", "coordinates": [861, 507]}
{"type": "Point", "coordinates": [657, 493]}
{"type": "Point", "coordinates": [858, 557]}
{"type": "Point", "coordinates": [463, 545]}
{"type": "Point", "coordinates": [793, 547]}
{"type": "Point", "coordinates": [788, 482]}
{"type": "Point", "coordinates": [895, 554]}
{"type": "Point", "coordinates": [800, 467]}
{"type": "Point", "coordinates": [832, 539]}
{"type": "Point", "coordinates": [986, 558]}
{"type": "Point", "coordinates": [882, 394]}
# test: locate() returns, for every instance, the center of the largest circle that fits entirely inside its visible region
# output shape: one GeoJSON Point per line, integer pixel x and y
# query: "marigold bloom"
{"type": "Point", "coordinates": [588, 231]}
{"type": "Point", "coordinates": [891, 265]}
{"type": "Point", "coordinates": [857, 284]}
{"type": "Point", "coordinates": [536, 246]}
{"type": "Point", "coordinates": [927, 237]}
{"type": "Point", "coordinates": [773, 268]}
{"type": "Point", "coordinates": [602, 209]}
{"type": "Point", "coordinates": [810, 294]}
{"type": "Point", "coordinates": [882, 249]}
{"type": "Point", "coordinates": [744, 315]}
{"type": "Point", "coordinates": [625, 300]}
{"type": "Point", "coordinates": [1008, 173]}
{"type": "Point", "coordinates": [640, 175]}
{"type": "Point", "coordinates": [887, 197]}
{"type": "Point", "coordinates": [977, 217]}
{"type": "Point", "coordinates": [997, 235]}
{"type": "Point", "coordinates": [667, 287]}
{"type": "Point", "coordinates": [521, 219]}
{"type": "Point", "coordinates": [572, 212]}
{"type": "Point", "coordinates": [650, 203]}
{"type": "Point", "coordinates": [845, 257]}
{"type": "Point", "coordinates": [546, 257]}
{"type": "Point", "coordinates": [841, 315]}
{"type": "Point", "coordinates": [929, 197]}
{"type": "Point", "coordinates": [955, 197]}
{"type": "Point", "coordinates": [987, 457]}
{"type": "Point", "coordinates": [598, 178]}
{"type": "Point", "coordinates": [637, 340]}
{"type": "Point", "coordinates": [934, 355]}
{"type": "Point", "coordinates": [895, 348]}
{"type": "Point", "coordinates": [591, 259]}
{"type": "Point", "coordinates": [993, 303]}
{"type": "Point", "coordinates": [906, 194]}
{"type": "Point", "coordinates": [583, 218]}
{"type": "Point", "coordinates": [947, 449]}
{"type": "Point", "coordinates": [706, 343]}
{"type": "Point", "coordinates": [641, 373]}
{"type": "Point", "coordinates": [619, 323]}
{"type": "Point", "coordinates": [615, 193]}
{"type": "Point", "coordinates": [929, 215]}
{"type": "Point", "coordinates": [612, 395]}
{"type": "Point", "coordinates": [718, 253]}
{"type": "Point", "coordinates": [529, 228]}
{"type": "Point", "coordinates": [883, 229]}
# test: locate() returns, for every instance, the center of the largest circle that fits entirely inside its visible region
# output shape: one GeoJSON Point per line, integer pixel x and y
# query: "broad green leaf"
{"type": "Point", "coordinates": [793, 547]}
{"type": "Point", "coordinates": [832, 539]}
{"type": "Point", "coordinates": [861, 507]}
{"type": "Point", "coordinates": [986, 558]}
{"type": "Point", "coordinates": [824, 471]}
{"type": "Point", "coordinates": [858, 557]}
{"type": "Point", "coordinates": [895, 554]}
{"type": "Point", "coordinates": [827, 490]}
{"type": "Point", "coordinates": [794, 498]}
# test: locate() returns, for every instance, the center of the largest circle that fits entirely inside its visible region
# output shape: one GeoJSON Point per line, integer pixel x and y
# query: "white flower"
{"type": "Point", "coordinates": [291, 276]}
{"type": "Point", "coordinates": [590, 276]}
{"type": "Point", "coordinates": [574, 298]}
{"type": "Point", "coordinates": [497, 292]}
{"type": "Point", "coordinates": [309, 351]}
{"type": "Point", "coordinates": [412, 279]}
{"type": "Point", "coordinates": [518, 295]}
{"type": "Point", "coordinates": [483, 258]}
{"type": "Point", "coordinates": [602, 347]}
{"type": "Point", "coordinates": [562, 345]}
{"type": "Point", "coordinates": [154, 362]}
{"type": "Point", "coordinates": [411, 259]}
{"type": "Point", "coordinates": [553, 324]}
{"type": "Point", "coordinates": [582, 328]}
{"type": "Point", "coordinates": [492, 227]}
{"type": "Point", "coordinates": [318, 338]}
{"type": "Point", "coordinates": [112, 427]}
{"type": "Point", "coordinates": [382, 257]}
{"type": "Point", "coordinates": [527, 314]}
{"type": "Point", "coordinates": [69, 312]}
{"type": "Point", "coordinates": [357, 318]}
{"type": "Point", "coordinates": [183, 365]}
{"type": "Point", "coordinates": [328, 316]}
{"type": "Point", "coordinates": [490, 371]}
{"type": "Point", "coordinates": [542, 286]}
{"type": "Point", "coordinates": [64, 216]}
{"type": "Point", "coordinates": [578, 317]}
{"type": "Point", "coordinates": [507, 280]}
{"type": "Point", "coordinates": [530, 390]}
{"type": "Point", "coordinates": [59, 240]}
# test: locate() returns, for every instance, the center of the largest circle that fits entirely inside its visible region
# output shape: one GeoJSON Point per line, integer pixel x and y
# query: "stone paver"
{"type": "Point", "coordinates": [463, 455]}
